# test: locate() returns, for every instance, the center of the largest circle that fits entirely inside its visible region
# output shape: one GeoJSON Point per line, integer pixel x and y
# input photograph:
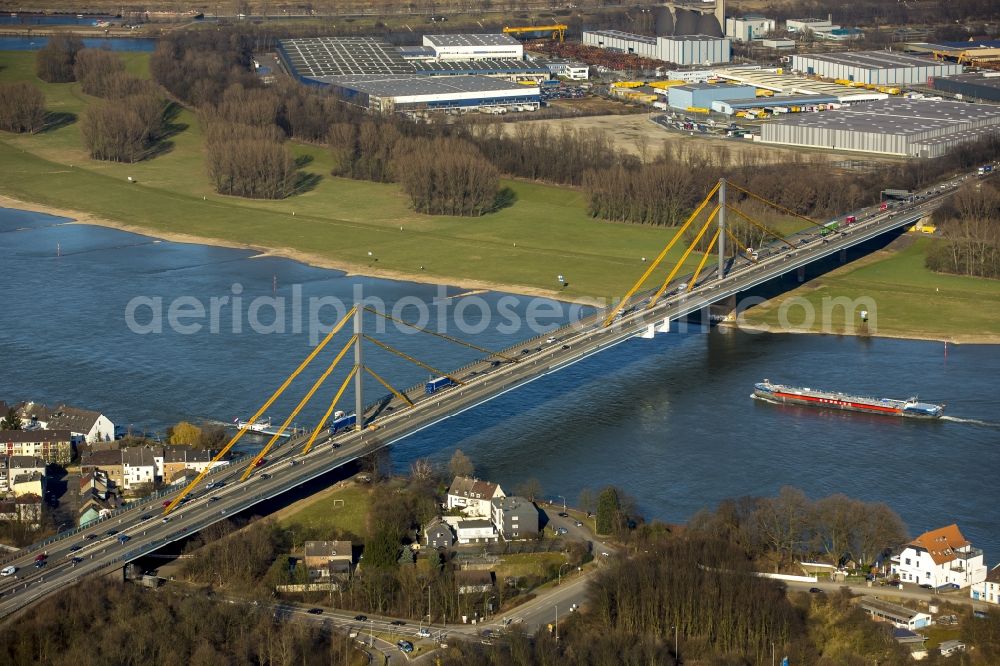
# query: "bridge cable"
{"type": "Point", "coordinates": [656, 262]}
{"type": "Point", "coordinates": [745, 250]}
{"type": "Point", "coordinates": [329, 410]}
{"type": "Point", "coordinates": [302, 366]}
{"type": "Point", "coordinates": [704, 260]}
{"type": "Point", "coordinates": [759, 225]}
{"type": "Point", "coordinates": [442, 335]}
{"type": "Point", "coordinates": [298, 408]}
{"type": "Point", "coordinates": [411, 359]}
{"type": "Point", "coordinates": [388, 386]}
{"type": "Point", "coordinates": [687, 253]}
{"type": "Point", "coordinates": [774, 205]}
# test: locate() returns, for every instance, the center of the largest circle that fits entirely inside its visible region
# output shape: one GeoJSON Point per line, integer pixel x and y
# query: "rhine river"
{"type": "Point", "coordinates": [668, 420]}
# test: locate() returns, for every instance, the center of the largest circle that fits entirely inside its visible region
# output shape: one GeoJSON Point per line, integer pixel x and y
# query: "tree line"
{"type": "Point", "coordinates": [129, 122]}
{"type": "Point", "coordinates": [100, 621]}
{"type": "Point", "coordinates": [970, 226]}
{"type": "Point", "coordinates": [791, 527]}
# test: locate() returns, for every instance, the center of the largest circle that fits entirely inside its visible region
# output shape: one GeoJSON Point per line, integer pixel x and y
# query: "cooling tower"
{"type": "Point", "coordinates": [664, 22]}
{"type": "Point", "coordinates": [709, 25]}
{"type": "Point", "coordinates": [685, 22]}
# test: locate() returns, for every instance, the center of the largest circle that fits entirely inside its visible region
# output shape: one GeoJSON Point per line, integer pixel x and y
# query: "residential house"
{"type": "Point", "coordinates": [898, 616]}
{"type": "Point", "coordinates": [438, 534]}
{"type": "Point", "coordinates": [30, 483]}
{"type": "Point", "coordinates": [52, 446]}
{"type": "Point", "coordinates": [140, 465]}
{"type": "Point", "coordinates": [474, 582]}
{"type": "Point", "coordinates": [476, 531]}
{"type": "Point", "coordinates": [912, 641]}
{"type": "Point", "coordinates": [26, 508]}
{"type": "Point", "coordinates": [109, 462]}
{"type": "Point", "coordinates": [989, 589]}
{"type": "Point", "coordinates": [34, 415]}
{"type": "Point", "coordinates": [515, 517]}
{"type": "Point", "coordinates": [85, 425]}
{"type": "Point", "coordinates": [176, 459]}
{"type": "Point", "coordinates": [950, 647]}
{"type": "Point", "coordinates": [940, 557]}
{"type": "Point", "coordinates": [325, 559]}
{"type": "Point", "coordinates": [4, 476]}
{"type": "Point", "coordinates": [472, 496]}
{"type": "Point", "coordinates": [97, 497]}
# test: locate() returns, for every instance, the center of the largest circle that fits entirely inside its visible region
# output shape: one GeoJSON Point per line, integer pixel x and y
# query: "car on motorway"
{"type": "Point", "coordinates": [213, 499]}
{"type": "Point", "coordinates": [397, 623]}
{"type": "Point", "coordinates": [165, 519]}
{"type": "Point", "coordinates": [361, 618]}
{"type": "Point", "coordinates": [75, 548]}
{"type": "Point", "coordinates": [40, 563]}
{"type": "Point", "coordinates": [260, 462]}
{"type": "Point", "coordinates": [815, 590]}
{"type": "Point", "coordinates": [89, 537]}
{"type": "Point", "coordinates": [315, 611]}
{"type": "Point", "coordinates": [122, 538]}
{"type": "Point", "coordinates": [145, 516]}
{"type": "Point", "coordinates": [76, 560]}
{"type": "Point", "coordinates": [8, 571]}
{"type": "Point", "coordinates": [111, 532]}
{"type": "Point", "coordinates": [550, 341]}
{"type": "Point", "coordinates": [41, 557]}
{"type": "Point", "coordinates": [405, 646]}
{"type": "Point", "coordinates": [268, 476]}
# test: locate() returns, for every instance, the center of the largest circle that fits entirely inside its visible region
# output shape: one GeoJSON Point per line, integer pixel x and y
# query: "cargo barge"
{"type": "Point", "coordinates": [911, 408]}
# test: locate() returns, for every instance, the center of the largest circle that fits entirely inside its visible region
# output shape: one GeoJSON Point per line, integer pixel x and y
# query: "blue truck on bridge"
{"type": "Point", "coordinates": [438, 384]}
{"type": "Point", "coordinates": [342, 423]}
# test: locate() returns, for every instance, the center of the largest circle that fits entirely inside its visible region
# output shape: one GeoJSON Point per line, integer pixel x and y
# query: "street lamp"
{"type": "Point", "coordinates": [371, 633]}
{"type": "Point", "coordinates": [564, 564]}
{"type": "Point", "coordinates": [557, 622]}
{"type": "Point", "coordinates": [564, 502]}
{"type": "Point", "coordinates": [677, 646]}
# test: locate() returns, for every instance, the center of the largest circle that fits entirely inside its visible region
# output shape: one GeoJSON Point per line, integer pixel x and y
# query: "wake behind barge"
{"type": "Point", "coordinates": [911, 408]}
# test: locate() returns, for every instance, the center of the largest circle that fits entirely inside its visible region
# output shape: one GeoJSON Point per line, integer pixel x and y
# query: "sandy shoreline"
{"type": "Point", "coordinates": [308, 258]}
{"type": "Point", "coordinates": [320, 261]}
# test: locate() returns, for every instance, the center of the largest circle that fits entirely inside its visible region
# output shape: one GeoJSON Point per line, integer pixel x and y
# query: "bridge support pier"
{"type": "Point", "coordinates": [800, 274]}
{"type": "Point", "coordinates": [722, 228]}
{"type": "Point", "coordinates": [651, 330]}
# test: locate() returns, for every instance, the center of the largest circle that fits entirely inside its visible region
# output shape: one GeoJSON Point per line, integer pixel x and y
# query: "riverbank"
{"type": "Point", "coordinates": [307, 258]}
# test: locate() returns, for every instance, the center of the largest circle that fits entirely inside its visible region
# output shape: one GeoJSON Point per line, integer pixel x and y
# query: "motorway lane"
{"type": "Point", "coordinates": [483, 380]}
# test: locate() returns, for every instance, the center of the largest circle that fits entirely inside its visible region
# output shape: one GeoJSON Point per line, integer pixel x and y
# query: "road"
{"type": "Point", "coordinates": [912, 592]}
{"type": "Point", "coordinates": [96, 550]}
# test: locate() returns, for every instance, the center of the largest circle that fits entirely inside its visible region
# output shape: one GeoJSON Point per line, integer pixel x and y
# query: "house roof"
{"type": "Point", "coordinates": [463, 486]}
{"type": "Point", "coordinates": [474, 524]}
{"type": "Point", "coordinates": [73, 419]}
{"type": "Point", "coordinates": [474, 577]}
{"type": "Point", "coordinates": [26, 462]}
{"type": "Point", "coordinates": [28, 477]}
{"type": "Point", "coordinates": [338, 549]}
{"type": "Point", "coordinates": [185, 454]}
{"type": "Point", "coordinates": [102, 458]}
{"type": "Point", "coordinates": [35, 436]}
{"type": "Point", "coordinates": [437, 526]}
{"type": "Point", "coordinates": [941, 543]}
{"type": "Point", "coordinates": [33, 410]}
{"type": "Point", "coordinates": [895, 611]}
{"type": "Point", "coordinates": [139, 456]}
{"type": "Point", "coordinates": [994, 575]}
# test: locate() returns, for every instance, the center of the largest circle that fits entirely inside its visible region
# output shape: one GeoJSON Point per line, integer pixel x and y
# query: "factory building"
{"type": "Point", "coordinates": [983, 86]}
{"type": "Point", "coordinates": [568, 69]}
{"type": "Point", "coordinates": [748, 28]}
{"type": "Point", "coordinates": [702, 95]}
{"type": "Point", "coordinates": [906, 127]}
{"type": "Point", "coordinates": [810, 25]}
{"type": "Point", "coordinates": [389, 93]}
{"type": "Point", "coordinates": [511, 70]}
{"type": "Point", "coordinates": [687, 50]}
{"type": "Point", "coordinates": [874, 67]}
{"type": "Point", "coordinates": [475, 47]}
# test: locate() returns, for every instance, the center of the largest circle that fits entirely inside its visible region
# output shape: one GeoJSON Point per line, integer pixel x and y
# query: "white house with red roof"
{"type": "Point", "coordinates": [940, 557]}
{"type": "Point", "coordinates": [989, 589]}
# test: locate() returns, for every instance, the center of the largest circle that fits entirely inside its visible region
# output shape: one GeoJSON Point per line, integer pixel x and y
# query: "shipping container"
{"type": "Point", "coordinates": [342, 423]}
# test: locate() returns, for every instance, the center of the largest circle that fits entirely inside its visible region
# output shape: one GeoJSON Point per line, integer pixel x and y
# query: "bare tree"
{"type": "Point", "coordinates": [460, 465]}
{"type": "Point", "coordinates": [22, 107]}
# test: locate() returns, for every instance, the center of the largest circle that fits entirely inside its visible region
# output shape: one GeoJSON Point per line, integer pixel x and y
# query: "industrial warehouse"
{"type": "Point", "coordinates": [905, 127]}
{"type": "Point", "coordinates": [984, 86]}
{"type": "Point", "coordinates": [874, 67]}
{"type": "Point", "coordinates": [461, 72]}
{"type": "Point", "coordinates": [686, 50]}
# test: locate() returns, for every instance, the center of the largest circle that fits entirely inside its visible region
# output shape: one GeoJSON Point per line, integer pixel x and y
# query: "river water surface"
{"type": "Point", "coordinates": [669, 420]}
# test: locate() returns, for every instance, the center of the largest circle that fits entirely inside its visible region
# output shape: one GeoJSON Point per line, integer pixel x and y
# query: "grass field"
{"type": "Point", "coordinates": [344, 509]}
{"type": "Point", "coordinates": [910, 300]}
